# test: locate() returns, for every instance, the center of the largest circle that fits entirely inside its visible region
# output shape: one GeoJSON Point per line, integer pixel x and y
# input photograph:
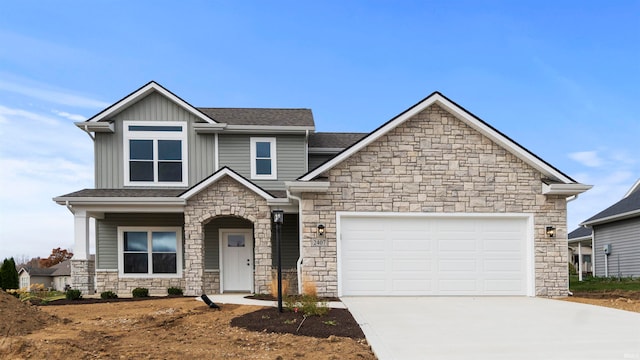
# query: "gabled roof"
{"type": "Point", "coordinates": [626, 208]}
{"type": "Point", "coordinates": [580, 233]}
{"type": "Point", "coordinates": [225, 171]}
{"type": "Point", "coordinates": [260, 116]}
{"type": "Point", "coordinates": [468, 118]}
{"type": "Point", "coordinates": [145, 90]}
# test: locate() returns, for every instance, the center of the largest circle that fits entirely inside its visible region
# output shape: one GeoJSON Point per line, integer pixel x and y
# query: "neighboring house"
{"type": "Point", "coordinates": [580, 251]}
{"type": "Point", "coordinates": [55, 277]}
{"type": "Point", "coordinates": [616, 236]}
{"type": "Point", "coordinates": [433, 202]}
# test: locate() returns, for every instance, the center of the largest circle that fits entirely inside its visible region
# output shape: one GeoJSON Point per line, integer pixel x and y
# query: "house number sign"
{"type": "Point", "coordinates": [318, 242]}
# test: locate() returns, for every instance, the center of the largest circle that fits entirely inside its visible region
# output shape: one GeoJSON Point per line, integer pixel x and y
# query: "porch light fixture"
{"type": "Point", "coordinates": [551, 231]}
{"type": "Point", "coordinates": [278, 219]}
{"type": "Point", "coordinates": [321, 229]}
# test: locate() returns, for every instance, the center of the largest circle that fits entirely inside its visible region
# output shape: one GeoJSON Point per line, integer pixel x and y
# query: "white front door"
{"type": "Point", "coordinates": [237, 260]}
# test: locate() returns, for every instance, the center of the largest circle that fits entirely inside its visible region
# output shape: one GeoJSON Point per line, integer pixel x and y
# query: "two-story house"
{"type": "Point", "coordinates": [433, 202]}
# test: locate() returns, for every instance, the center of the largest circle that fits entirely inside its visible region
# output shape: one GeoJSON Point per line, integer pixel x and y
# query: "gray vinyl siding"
{"type": "Point", "coordinates": [107, 233]}
{"type": "Point", "coordinates": [316, 160]}
{"type": "Point", "coordinates": [290, 242]}
{"type": "Point", "coordinates": [212, 238]}
{"type": "Point", "coordinates": [624, 237]}
{"type": "Point", "coordinates": [109, 160]}
{"type": "Point", "coordinates": [235, 153]}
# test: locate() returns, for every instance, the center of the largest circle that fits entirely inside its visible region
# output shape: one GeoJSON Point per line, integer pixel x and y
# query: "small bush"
{"type": "Point", "coordinates": [307, 304]}
{"type": "Point", "coordinates": [108, 295]}
{"type": "Point", "coordinates": [73, 294]}
{"type": "Point", "coordinates": [174, 291]}
{"type": "Point", "coordinates": [140, 292]}
{"type": "Point", "coordinates": [274, 287]}
{"type": "Point", "coordinates": [572, 269]}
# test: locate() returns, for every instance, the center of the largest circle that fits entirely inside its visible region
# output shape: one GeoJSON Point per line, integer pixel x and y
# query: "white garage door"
{"type": "Point", "coordinates": [420, 255]}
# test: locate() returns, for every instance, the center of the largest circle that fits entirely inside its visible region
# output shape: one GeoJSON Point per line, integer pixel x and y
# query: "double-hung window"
{"type": "Point", "coordinates": [146, 252]}
{"type": "Point", "coordinates": [263, 158]}
{"type": "Point", "coordinates": [155, 153]}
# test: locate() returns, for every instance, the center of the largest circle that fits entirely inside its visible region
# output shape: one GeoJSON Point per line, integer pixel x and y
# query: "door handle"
{"type": "Point", "coordinates": [248, 262]}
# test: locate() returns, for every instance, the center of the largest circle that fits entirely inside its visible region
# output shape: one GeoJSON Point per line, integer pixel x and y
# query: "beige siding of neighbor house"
{"type": "Point", "coordinates": [624, 237]}
{"type": "Point", "coordinates": [109, 157]}
{"type": "Point", "coordinates": [290, 149]}
{"type": "Point", "coordinates": [435, 163]}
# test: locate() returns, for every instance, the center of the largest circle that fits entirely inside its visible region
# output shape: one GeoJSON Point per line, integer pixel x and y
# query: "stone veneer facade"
{"type": "Point", "coordinates": [108, 280]}
{"type": "Point", "coordinates": [82, 276]}
{"type": "Point", "coordinates": [435, 163]}
{"type": "Point", "coordinates": [226, 197]}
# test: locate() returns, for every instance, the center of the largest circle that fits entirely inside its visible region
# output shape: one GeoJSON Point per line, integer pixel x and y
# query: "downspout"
{"type": "Point", "coordinates": [299, 262]}
{"type": "Point", "coordinates": [86, 129]}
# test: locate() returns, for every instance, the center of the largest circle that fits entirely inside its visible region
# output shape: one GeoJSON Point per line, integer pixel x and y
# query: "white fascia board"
{"type": "Point", "coordinates": [633, 188]}
{"type": "Point", "coordinates": [220, 174]}
{"type": "Point", "coordinates": [462, 114]}
{"type": "Point", "coordinates": [307, 186]}
{"type": "Point", "coordinates": [612, 218]}
{"type": "Point", "coordinates": [279, 202]}
{"type": "Point", "coordinates": [267, 129]}
{"type": "Point", "coordinates": [142, 92]}
{"type": "Point", "coordinates": [580, 239]}
{"type": "Point", "coordinates": [564, 189]}
{"type": "Point", "coordinates": [208, 128]}
{"type": "Point", "coordinates": [101, 127]}
{"type": "Point", "coordinates": [154, 201]}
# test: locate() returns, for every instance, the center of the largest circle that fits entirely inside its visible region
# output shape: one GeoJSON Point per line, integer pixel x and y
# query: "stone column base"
{"type": "Point", "coordinates": [83, 273]}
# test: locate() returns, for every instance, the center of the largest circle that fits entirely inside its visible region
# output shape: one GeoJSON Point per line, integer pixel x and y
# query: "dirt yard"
{"type": "Point", "coordinates": [183, 328]}
{"type": "Point", "coordinates": [171, 328]}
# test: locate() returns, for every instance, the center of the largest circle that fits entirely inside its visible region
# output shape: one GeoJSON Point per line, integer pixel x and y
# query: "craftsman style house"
{"type": "Point", "coordinates": [433, 202]}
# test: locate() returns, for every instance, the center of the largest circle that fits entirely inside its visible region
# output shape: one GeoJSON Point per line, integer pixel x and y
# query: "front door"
{"type": "Point", "coordinates": [237, 260]}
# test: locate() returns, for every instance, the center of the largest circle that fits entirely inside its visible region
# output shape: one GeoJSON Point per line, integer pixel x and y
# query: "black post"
{"type": "Point", "coordinates": [278, 217]}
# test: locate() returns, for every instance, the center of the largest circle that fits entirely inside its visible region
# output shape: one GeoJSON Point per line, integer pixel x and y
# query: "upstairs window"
{"type": "Point", "coordinates": [155, 154]}
{"type": "Point", "coordinates": [263, 158]}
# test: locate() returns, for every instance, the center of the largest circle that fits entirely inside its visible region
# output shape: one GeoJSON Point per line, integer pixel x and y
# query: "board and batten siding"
{"type": "Point", "coordinates": [109, 157]}
{"type": "Point", "coordinates": [234, 152]}
{"type": "Point", "coordinates": [107, 233]}
{"type": "Point", "coordinates": [624, 237]}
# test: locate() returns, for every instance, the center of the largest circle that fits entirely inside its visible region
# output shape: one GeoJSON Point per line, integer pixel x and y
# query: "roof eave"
{"type": "Point", "coordinates": [96, 127]}
{"type": "Point", "coordinates": [612, 218]}
{"type": "Point", "coordinates": [307, 186]}
{"type": "Point", "coordinates": [142, 92]}
{"type": "Point", "coordinates": [564, 189]}
{"type": "Point", "coordinates": [94, 200]}
{"type": "Point", "coordinates": [580, 239]}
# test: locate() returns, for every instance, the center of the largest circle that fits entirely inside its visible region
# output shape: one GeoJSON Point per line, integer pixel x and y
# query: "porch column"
{"type": "Point", "coordinates": [82, 267]}
{"type": "Point", "coordinates": [579, 261]}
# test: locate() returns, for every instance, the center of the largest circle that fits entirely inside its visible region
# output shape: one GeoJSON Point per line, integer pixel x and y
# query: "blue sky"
{"type": "Point", "coordinates": [560, 78]}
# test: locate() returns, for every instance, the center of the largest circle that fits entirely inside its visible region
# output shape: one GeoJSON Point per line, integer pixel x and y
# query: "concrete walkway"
{"type": "Point", "coordinates": [494, 328]}
{"type": "Point", "coordinates": [239, 299]}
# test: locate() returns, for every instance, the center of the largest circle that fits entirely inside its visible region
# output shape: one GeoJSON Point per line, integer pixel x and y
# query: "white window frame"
{"type": "Point", "coordinates": [148, 230]}
{"type": "Point", "coordinates": [274, 160]}
{"type": "Point", "coordinates": [155, 136]}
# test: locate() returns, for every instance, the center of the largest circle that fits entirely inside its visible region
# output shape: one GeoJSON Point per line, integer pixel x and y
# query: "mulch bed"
{"type": "Point", "coordinates": [338, 322]}
{"type": "Point", "coordinates": [608, 294]}
{"type": "Point", "coordinates": [100, 301]}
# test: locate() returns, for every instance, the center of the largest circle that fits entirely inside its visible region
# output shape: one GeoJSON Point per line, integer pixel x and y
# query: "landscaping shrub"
{"type": "Point", "coordinates": [174, 291]}
{"type": "Point", "coordinates": [108, 295]}
{"type": "Point", "coordinates": [572, 269]}
{"type": "Point", "coordinates": [307, 304]}
{"type": "Point", "coordinates": [140, 292]}
{"type": "Point", "coordinates": [73, 294]}
{"type": "Point", "coordinates": [9, 275]}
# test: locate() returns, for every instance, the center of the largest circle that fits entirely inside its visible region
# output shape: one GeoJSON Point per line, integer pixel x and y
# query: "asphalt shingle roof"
{"type": "Point", "coordinates": [580, 232]}
{"type": "Point", "coordinates": [260, 116]}
{"type": "Point", "coordinates": [334, 139]}
{"type": "Point", "coordinates": [125, 193]}
{"type": "Point", "coordinates": [628, 204]}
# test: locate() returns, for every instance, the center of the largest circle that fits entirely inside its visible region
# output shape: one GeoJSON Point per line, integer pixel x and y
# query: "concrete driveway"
{"type": "Point", "coordinates": [494, 328]}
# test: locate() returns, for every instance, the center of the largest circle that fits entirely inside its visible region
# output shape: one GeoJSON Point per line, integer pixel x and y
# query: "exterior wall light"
{"type": "Point", "coordinates": [551, 231]}
{"type": "Point", "coordinates": [320, 229]}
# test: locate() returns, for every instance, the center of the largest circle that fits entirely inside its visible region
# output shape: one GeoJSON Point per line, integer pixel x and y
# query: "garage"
{"type": "Point", "coordinates": [426, 254]}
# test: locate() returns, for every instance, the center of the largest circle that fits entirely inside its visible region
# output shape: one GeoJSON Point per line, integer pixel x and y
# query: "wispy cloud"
{"type": "Point", "coordinates": [8, 114]}
{"type": "Point", "coordinates": [587, 158]}
{"type": "Point", "coordinates": [74, 117]}
{"type": "Point", "coordinates": [50, 94]}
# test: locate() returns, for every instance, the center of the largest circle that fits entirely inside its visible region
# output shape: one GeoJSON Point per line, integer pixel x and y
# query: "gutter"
{"type": "Point", "coordinates": [300, 238]}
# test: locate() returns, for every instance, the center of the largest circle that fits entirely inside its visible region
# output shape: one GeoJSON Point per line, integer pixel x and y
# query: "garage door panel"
{"type": "Point", "coordinates": [433, 256]}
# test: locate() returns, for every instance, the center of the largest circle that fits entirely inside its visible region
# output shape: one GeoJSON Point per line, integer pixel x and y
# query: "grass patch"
{"type": "Point", "coordinates": [599, 284]}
